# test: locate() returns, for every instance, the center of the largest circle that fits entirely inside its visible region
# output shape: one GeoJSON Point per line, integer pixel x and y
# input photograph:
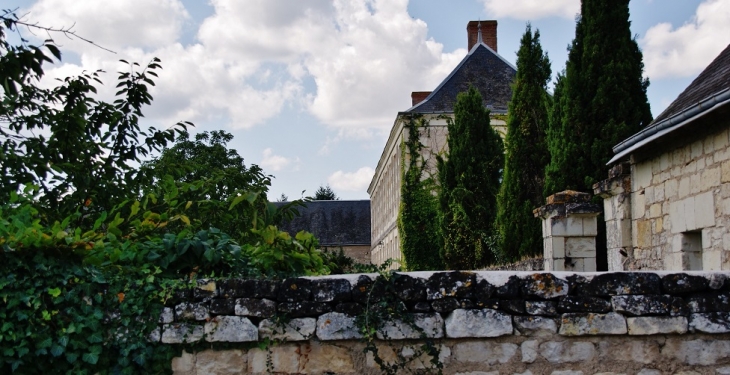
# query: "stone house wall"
{"type": "Point", "coordinates": [481, 322]}
{"type": "Point", "coordinates": [678, 207]}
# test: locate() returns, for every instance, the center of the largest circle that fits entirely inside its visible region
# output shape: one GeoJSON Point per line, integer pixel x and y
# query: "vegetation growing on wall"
{"type": "Point", "coordinates": [526, 153]}
{"type": "Point", "coordinates": [420, 239]}
{"type": "Point", "coordinates": [469, 180]}
{"type": "Point", "coordinates": [601, 99]}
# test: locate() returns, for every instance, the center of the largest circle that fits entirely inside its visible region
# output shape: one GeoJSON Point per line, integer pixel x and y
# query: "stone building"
{"type": "Point", "coordinates": [483, 68]}
{"type": "Point", "coordinates": [336, 224]}
{"type": "Point", "coordinates": [667, 199]}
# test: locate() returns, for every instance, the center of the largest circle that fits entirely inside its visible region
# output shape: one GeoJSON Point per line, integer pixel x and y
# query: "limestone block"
{"type": "Point", "coordinates": [712, 260]}
{"type": "Point", "coordinates": [484, 352]}
{"type": "Point", "coordinates": [641, 304]}
{"type": "Point", "coordinates": [679, 283]}
{"type": "Point", "coordinates": [653, 325]}
{"type": "Point", "coordinates": [610, 284]}
{"type": "Point", "coordinates": [167, 315]}
{"type": "Point", "coordinates": [230, 329]}
{"type": "Point", "coordinates": [690, 219]}
{"type": "Point", "coordinates": [451, 284]}
{"type": "Point", "coordinates": [714, 322]}
{"type": "Point", "coordinates": [566, 352]}
{"type": "Point", "coordinates": [696, 352]}
{"type": "Point", "coordinates": [590, 226]}
{"type": "Point", "coordinates": [579, 324]}
{"type": "Point", "coordinates": [299, 329]}
{"type": "Point", "coordinates": [557, 247]}
{"type": "Point", "coordinates": [426, 326]}
{"type": "Point", "coordinates": [638, 206]}
{"type": "Point", "coordinates": [566, 372]}
{"type": "Point", "coordinates": [544, 286]}
{"type": "Point", "coordinates": [260, 308]}
{"type": "Point", "coordinates": [192, 311]}
{"type": "Point", "coordinates": [558, 226]}
{"type": "Point", "coordinates": [181, 333]}
{"type": "Point", "coordinates": [423, 361]}
{"type": "Point", "coordinates": [710, 178]}
{"type": "Point", "coordinates": [535, 325]}
{"type": "Point", "coordinates": [644, 351]}
{"type": "Point", "coordinates": [326, 358]}
{"type": "Point", "coordinates": [676, 215]}
{"type": "Point", "coordinates": [282, 359]}
{"type": "Point", "coordinates": [643, 233]}
{"type": "Point", "coordinates": [574, 225]}
{"type": "Point", "coordinates": [580, 247]}
{"type": "Point", "coordinates": [529, 351]}
{"type": "Point", "coordinates": [337, 326]}
{"type": "Point", "coordinates": [723, 370]}
{"type": "Point", "coordinates": [331, 290]}
{"type": "Point", "coordinates": [155, 335]}
{"type": "Point", "coordinates": [205, 289]}
{"type": "Point", "coordinates": [231, 361]}
{"type": "Point", "coordinates": [546, 308]}
{"type": "Point", "coordinates": [589, 265]}
{"type": "Point", "coordinates": [642, 175]}
{"type": "Point", "coordinates": [670, 188]}
{"type": "Point", "coordinates": [478, 323]}
{"type": "Point", "coordinates": [704, 209]}
{"type": "Point", "coordinates": [185, 363]}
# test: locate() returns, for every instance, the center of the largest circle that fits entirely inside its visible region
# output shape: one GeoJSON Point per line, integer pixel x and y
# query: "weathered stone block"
{"type": "Point", "coordinates": [484, 352]}
{"type": "Point", "coordinates": [331, 290]}
{"type": "Point", "coordinates": [717, 322]}
{"type": "Point", "coordinates": [303, 308]}
{"type": "Point", "coordinates": [295, 290]}
{"type": "Point", "coordinates": [451, 284]}
{"type": "Point", "coordinates": [678, 283]}
{"type": "Point", "coordinates": [420, 306]}
{"type": "Point", "coordinates": [529, 351]}
{"type": "Point", "coordinates": [230, 329]}
{"type": "Point", "coordinates": [192, 311]}
{"type": "Point", "coordinates": [184, 363]}
{"type": "Point", "coordinates": [421, 326]}
{"type": "Point", "coordinates": [367, 290]}
{"type": "Point", "coordinates": [260, 308]}
{"type": "Point", "coordinates": [324, 358]}
{"type": "Point", "coordinates": [408, 288]}
{"type": "Point", "coordinates": [641, 304]}
{"type": "Point", "coordinates": [181, 333]}
{"type": "Point", "coordinates": [219, 362]}
{"type": "Point", "coordinates": [544, 285]}
{"type": "Point", "coordinates": [583, 304]}
{"type": "Point", "coordinates": [483, 291]}
{"type": "Point", "coordinates": [278, 359]}
{"type": "Point", "coordinates": [445, 305]}
{"type": "Point", "coordinates": [166, 316]}
{"type": "Point", "coordinates": [510, 289]}
{"type": "Point", "coordinates": [579, 324]}
{"type": "Point", "coordinates": [237, 288]}
{"type": "Point", "coordinates": [299, 329]}
{"type": "Point", "coordinates": [716, 302]}
{"type": "Point", "coordinates": [478, 323]}
{"type": "Point", "coordinates": [535, 325]}
{"type": "Point", "coordinates": [696, 352]}
{"type": "Point", "coordinates": [547, 308]}
{"type": "Point", "coordinates": [611, 284]}
{"type": "Point", "coordinates": [567, 352]}
{"type": "Point", "coordinates": [205, 290]}
{"type": "Point", "coordinates": [654, 325]}
{"type": "Point", "coordinates": [353, 308]}
{"type": "Point", "coordinates": [512, 306]}
{"type": "Point", "coordinates": [580, 247]}
{"type": "Point", "coordinates": [223, 306]}
{"type": "Point", "coordinates": [337, 326]}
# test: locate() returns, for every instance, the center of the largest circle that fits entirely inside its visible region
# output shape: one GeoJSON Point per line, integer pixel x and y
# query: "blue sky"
{"type": "Point", "coordinates": [310, 89]}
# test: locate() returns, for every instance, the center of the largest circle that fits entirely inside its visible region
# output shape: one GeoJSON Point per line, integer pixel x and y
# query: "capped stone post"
{"type": "Point", "coordinates": [569, 229]}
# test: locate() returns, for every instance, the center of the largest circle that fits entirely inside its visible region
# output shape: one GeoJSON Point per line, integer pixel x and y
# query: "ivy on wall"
{"type": "Point", "coordinates": [420, 238]}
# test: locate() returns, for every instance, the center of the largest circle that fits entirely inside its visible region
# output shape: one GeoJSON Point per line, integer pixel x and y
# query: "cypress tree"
{"type": "Point", "coordinates": [526, 153]}
{"type": "Point", "coordinates": [603, 97]}
{"type": "Point", "coordinates": [418, 226]}
{"type": "Point", "coordinates": [469, 183]}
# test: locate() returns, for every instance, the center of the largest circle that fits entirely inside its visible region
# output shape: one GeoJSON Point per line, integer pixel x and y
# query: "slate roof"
{"type": "Point", "coordinates": [709, 92]}
{"type": "Point", "coordinates": [482, 67]}
{"type": "Point", "coordinates": [715, 78]}
{"type": "Point", "coordinates": [334, 223]}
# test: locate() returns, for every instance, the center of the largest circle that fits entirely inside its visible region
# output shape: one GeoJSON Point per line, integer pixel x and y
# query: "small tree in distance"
{"type": "Point", "coordinates": [325, 193]}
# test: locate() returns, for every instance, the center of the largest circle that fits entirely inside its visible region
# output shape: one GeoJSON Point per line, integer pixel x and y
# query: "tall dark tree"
{"type": "Point", "coordinates": [603, 97]}
{"type": "Point", "coordinates": [325, 193]}
{"type": "Point", "coordinates": [526, 153]}
{"type": "Point", "coordinates": [469, 179]}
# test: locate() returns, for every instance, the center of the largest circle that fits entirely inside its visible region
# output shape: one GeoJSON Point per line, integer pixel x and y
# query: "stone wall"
{"type": "Point", "coordinates": [480, 322]}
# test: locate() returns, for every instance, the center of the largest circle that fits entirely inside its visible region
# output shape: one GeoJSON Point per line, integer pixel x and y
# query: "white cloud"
{"type": "Point", "coordinates": [688, 49]}
{"type": "Point", "coordinates": [532, 9]}
{"type": "Point", "coordinates": [355, 181]}
{"type": "Point", "coordinates": [273, 162]}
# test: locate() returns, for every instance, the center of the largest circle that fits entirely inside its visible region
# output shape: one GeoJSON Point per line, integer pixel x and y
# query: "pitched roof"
{"type": "Point", "coordinates": [334, 223]}
{"type": "Point", "coordinates": [708, 92]}
{"type": "Point", "coordinates": [482, 67]}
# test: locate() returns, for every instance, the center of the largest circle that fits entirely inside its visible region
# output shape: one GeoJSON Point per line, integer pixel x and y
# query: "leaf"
{"type": "Point", "coordinates": [57, 350]}
{"type": "Point", "coordinates": [94, 338]}
{"type": "Point", "coordinates": [90, 358]}
{"type": "Point", "coordinates": [55, 292]}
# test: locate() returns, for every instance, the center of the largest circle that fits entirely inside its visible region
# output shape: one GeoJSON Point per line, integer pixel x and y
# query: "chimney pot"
{"type": "Point", "coordinates": [489, 33]}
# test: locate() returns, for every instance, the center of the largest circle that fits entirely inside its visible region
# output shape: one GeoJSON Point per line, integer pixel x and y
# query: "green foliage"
{"type": "Point", "coordinates": [469, 178]}
{"type": "Point", "coordinates": [418, 228]}
{"type": "Point", "coordinates": [339, 263]}
{"type": "Point", "coordinates": [277, 253]}
{"type": "Point", "coordinates": [526, 153]}
{"type": "Point", "coordinates": [602, 99]}
{"type": "Point", "coordinates": [324, 193]}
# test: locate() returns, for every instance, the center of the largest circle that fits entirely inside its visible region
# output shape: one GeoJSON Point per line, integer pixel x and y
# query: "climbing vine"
{"type": "Point", "coordinates": [417, 215]}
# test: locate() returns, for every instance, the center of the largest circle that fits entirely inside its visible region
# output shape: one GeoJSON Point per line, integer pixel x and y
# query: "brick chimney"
{"type": "Point", "coordinates": [419, 96]}
{"type": "Point", "coordinates": [489, 33]}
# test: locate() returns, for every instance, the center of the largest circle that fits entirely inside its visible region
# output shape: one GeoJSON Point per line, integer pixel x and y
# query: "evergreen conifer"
{"type": "Point", "coordinates": [526, 153]}
{"type": "Point", "coordinates": [469, 183]}
{"type": "Point", "coordinates": [603, 97]}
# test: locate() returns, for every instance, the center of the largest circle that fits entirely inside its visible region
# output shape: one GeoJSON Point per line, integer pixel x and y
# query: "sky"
{"type": "Point", "coordinates": [310, 89]}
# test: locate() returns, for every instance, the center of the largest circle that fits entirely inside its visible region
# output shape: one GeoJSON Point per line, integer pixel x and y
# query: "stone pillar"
{"type": "Point", "coordinates": [569, 231]}
{"type": "Point", "coordinates": [616, 194]}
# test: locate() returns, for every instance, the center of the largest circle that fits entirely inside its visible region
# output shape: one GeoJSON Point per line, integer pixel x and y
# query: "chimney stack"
{"type": "Point", "coordinates": [419, 96]}
{"type": "Point", "coordinates": [489, 33]}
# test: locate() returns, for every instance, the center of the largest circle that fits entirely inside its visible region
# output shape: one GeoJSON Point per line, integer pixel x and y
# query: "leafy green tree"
{"type": "Point", "coordinates": [526, 153]}
{"type": "Point", "coordinates": [418, 226]}
{"type": "Point", "coordinates": [81, 151]}
{"type": "Point", "coordinates": [469, 179]}
{"type": "Point", "coordinates": [602, 99]}
{"type": "Point", "coordinates": [325, 193]}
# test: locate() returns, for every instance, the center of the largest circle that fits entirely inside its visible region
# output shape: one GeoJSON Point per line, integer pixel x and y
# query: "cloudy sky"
{"type": "Point", "coordinates": [310, 89]}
